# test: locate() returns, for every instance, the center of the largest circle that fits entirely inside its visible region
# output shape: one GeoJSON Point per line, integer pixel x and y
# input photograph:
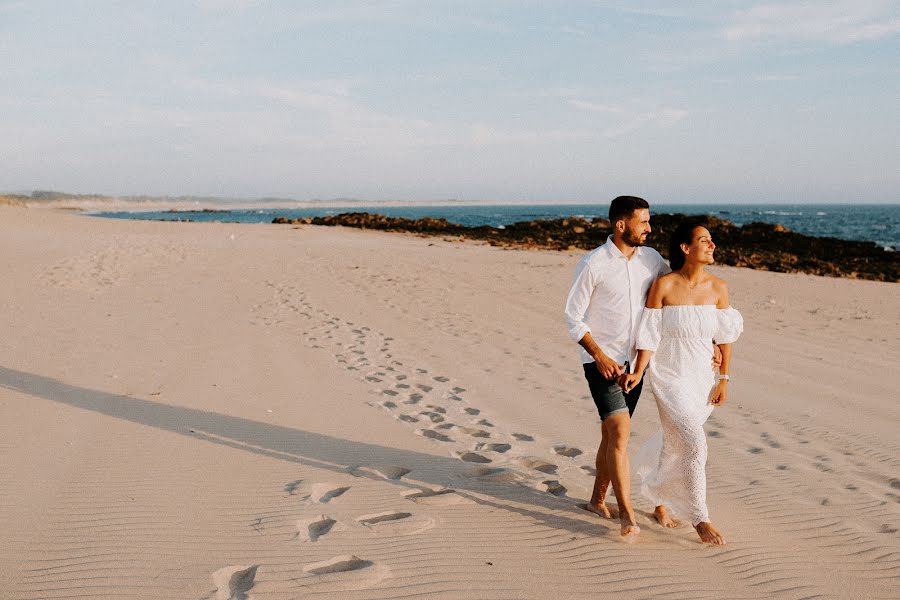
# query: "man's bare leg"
{"type": "Point", "coordinates": [663, 517]}
{"type": "Point", "coordinates": [709, 534]}
{"type": "Point", "coordinates": [618, 427]}
{"type": "Point", "coordinates": [597, 504]}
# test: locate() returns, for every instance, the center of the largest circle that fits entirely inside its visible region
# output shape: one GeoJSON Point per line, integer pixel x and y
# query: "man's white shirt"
{"type": "Point", "coordinates": [608, 296]}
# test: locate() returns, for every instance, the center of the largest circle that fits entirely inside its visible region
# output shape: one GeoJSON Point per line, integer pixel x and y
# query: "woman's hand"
{"type": "Point", "coordinates": [628, 381]}
{"type": "Point", "coordinates": [720, 393]}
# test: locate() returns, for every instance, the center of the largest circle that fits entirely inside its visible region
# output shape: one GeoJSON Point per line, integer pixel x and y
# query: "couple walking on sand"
{"type": "Point", "coordinates": [632, 314]}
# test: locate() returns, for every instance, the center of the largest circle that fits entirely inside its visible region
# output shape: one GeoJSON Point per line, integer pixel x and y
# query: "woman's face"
{"type": "Point", "coordinates": [701, 248]}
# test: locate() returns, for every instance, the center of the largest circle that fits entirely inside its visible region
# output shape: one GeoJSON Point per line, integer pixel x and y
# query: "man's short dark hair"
{"type": "Point", "coordinates": [623, 206]}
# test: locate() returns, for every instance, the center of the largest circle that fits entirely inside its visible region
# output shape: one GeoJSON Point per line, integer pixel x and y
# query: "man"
{"type": "Point", "coordinates": [602, 313]}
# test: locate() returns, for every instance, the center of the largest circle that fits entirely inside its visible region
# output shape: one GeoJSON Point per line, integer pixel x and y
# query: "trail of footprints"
{"type": "Point", "coordinates": [433, 405]}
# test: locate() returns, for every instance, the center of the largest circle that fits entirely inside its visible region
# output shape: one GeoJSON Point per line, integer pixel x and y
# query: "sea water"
{"type": "Point", "coordinates": [879, 223]}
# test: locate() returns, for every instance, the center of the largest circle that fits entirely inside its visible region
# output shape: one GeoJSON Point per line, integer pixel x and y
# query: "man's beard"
{"type": "Point", "coordinates": [633, 240]}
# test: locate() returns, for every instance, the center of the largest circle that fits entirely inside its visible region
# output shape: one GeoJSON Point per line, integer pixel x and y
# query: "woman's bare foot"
{"type": "Point", "coordinates": [709, 534]}
{"type": "Point", "coordinates": [599, 509]}
{"type": "Point", "coordinates": [630, 530]}
{"type": "Point", "coordinates": [663, 518]}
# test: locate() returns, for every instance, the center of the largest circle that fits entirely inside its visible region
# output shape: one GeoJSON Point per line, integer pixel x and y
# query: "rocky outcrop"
{"type": "Point", "coordinates": [755, 245]}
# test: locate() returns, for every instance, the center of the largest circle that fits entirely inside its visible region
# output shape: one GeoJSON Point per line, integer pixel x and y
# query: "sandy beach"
{"type": "Point", "coordinates": [209, 410]}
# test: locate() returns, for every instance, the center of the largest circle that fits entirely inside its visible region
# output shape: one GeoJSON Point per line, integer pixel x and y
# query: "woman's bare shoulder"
{"type": "Point", "coordinates": [665, 281]}
{"type": "Point", "coordinates": [718, 282]}
{"type": "Point", "coordinates": [721, 288]}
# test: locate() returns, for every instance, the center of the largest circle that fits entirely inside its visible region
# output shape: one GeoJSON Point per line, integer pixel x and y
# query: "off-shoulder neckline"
{"type": "Point", "coordinates": [690, 306]}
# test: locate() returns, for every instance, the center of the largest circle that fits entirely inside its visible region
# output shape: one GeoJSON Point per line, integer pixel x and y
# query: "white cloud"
{"type": "Point", "coordinates": [627, 120]}
{"type": "Point", "coordinates": [485, 135]}
{"type": "Point", "coordinates": [594, 107]}
{"type": "Point", "coordinates": [834, 21]}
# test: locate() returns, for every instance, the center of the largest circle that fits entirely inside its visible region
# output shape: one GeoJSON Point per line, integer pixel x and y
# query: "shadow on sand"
{"type": "Point", "coordinates": [494, 489]}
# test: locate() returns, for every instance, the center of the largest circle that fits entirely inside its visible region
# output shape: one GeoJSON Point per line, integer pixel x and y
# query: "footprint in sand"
{"type": "Point", "coordinates": [233, 583]}
{"type": "Point", "coordinates": [539, 465]}
{"type": "Point", "coordinates": [476, 433]}
{"type": "Point", "coordinates": [323, 493]}
{"type": "Point", "coordinates": [567, 451]}
{"type": "Point", "coordinates": [498, 448]}
{"type": "Point", "coordinates": [435, 417]}
{"type": "Point", "coordinates": [292, 486]}
{"type": "Point", "coordinates": [485, 423]}
{"type": "Point", "coordinates": [434, 435]}
{"type": "Point", "coordinates": [473, 457]}
{"type": "Point", "coordinates": [769, 441]}
{"type": "Point", "coordinates": [523, 437]}
{"type": "Point", "coordinates": [383, 517]}
{"type": "Point", "coordinates": [555, 487]}
{"type": "Point", "coordinates": [439, 497]}
{"type": "Point", "coordinates": [754, 450]}
{"type": "Point", "coordinates": [338, 564]}
{"type": "Point", "coordinates": [408, 418]}
{"type": "Point", "coordinates": [313, 529]}
{"type": "Point", "coordinates": [589, 470]}
{"type": "Point", "coordinates": [472, 411]}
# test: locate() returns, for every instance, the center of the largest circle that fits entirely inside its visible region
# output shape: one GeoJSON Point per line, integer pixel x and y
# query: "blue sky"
{"type": "Point", "coordinates": [704, 101]}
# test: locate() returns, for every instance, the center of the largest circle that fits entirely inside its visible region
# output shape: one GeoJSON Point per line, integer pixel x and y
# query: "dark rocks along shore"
{"type": "Point", "coordinates": [760, 246]}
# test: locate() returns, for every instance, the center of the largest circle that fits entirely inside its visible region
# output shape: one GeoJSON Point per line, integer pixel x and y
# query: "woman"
{"type": "Point", "coordinates": [685, 309]}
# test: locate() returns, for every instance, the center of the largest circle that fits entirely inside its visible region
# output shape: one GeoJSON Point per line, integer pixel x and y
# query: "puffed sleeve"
{"type": "Point", "coordinates": [649, 329]}
{"type": "Point", "coordinates": [730, 325]}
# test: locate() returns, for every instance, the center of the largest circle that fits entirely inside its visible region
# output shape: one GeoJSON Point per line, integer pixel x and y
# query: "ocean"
{"type": "Point", "coordinates": [879, 223]}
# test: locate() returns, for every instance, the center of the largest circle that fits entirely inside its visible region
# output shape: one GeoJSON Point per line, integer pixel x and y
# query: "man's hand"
{"type": "Point", "coordinates": [717, 358]}
{"type": "Point", "coordinates": [720, 394]}
{"type": "Point", "coordinates": [609, 368]}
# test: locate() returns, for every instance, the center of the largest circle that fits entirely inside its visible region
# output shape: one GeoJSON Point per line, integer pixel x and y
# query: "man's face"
{"type": "Point", "coordinates": [637, 227]}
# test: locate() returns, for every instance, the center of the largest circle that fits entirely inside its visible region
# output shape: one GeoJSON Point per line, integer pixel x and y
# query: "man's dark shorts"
{"type": "Point", "coordinates": [608, 396]}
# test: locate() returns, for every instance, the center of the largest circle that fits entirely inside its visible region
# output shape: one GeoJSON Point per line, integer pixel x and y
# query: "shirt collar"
{"type": "Point", "coordinates": [613, 251]}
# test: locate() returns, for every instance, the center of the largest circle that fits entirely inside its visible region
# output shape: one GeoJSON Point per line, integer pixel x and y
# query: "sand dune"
{"type": "Point", "coordinates": [221, 411]}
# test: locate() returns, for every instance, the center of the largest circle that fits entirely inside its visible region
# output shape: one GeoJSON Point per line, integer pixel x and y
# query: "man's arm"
{"type": "Point", "coordinates": [576, 307]}
{"type": "Point", "coordinates": [609, 368]}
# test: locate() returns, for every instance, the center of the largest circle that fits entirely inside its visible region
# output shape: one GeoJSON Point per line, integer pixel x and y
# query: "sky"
{"type": "Point", "coordinates": [497, 101]}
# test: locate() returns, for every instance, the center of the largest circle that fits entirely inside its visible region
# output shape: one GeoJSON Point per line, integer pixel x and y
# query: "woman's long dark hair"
{"type": "Point", "coordinates": [683, 234]}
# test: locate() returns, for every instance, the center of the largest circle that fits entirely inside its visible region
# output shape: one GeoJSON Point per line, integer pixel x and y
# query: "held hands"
{"type": "Point", "coordinates": [609, 368]}
{"type": "Point", "coordinates": [720, 393]}
{"type": "Point", "coordinates": [629, 380]}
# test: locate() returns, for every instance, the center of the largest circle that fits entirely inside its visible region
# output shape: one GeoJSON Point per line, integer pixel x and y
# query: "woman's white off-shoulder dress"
{"type": "Point", "coordinates": [671, 466]}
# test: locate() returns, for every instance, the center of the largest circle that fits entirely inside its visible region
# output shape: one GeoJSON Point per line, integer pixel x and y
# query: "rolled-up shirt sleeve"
{"type": "Point", "coordinates": [578, 301]}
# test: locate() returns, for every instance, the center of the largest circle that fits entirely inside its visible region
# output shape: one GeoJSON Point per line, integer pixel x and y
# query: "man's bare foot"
{"type": "Point", "coordinates": [663, 518]}
{"type": "Point", "coordinates": [630, 530]}
{"type": "Point", "coordinates": [599, 509]}
{"type": "Point", "coordinates": [709, 534]}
